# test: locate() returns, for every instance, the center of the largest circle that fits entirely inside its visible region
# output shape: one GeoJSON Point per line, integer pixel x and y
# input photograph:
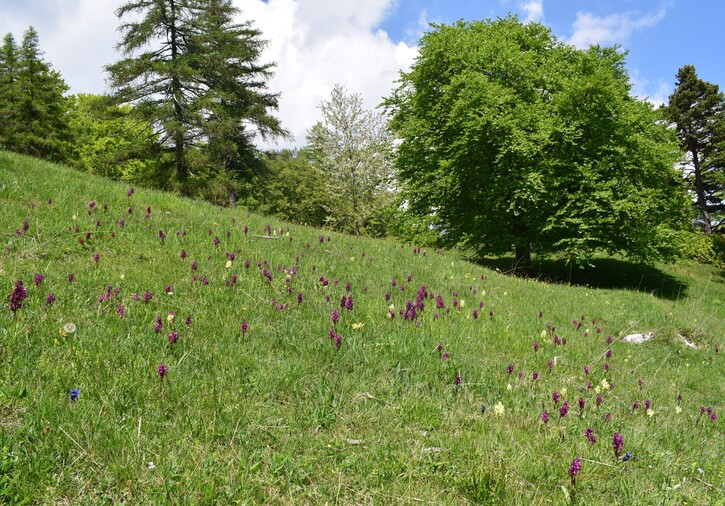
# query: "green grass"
{"type": "Point", "coordinates": [279, 415]}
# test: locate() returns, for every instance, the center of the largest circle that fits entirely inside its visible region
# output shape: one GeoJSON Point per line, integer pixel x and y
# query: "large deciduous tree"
{"type": "Point", "coordinates": [194, 74]}
{"type": "Point", "coordinates": [697, 108]}
{"type": "Point", "coordinates": [352, 148]}
{"type": "Point", "coordinates": [33, 107]}
{"type": "Point", "coordinates": [511, 138]}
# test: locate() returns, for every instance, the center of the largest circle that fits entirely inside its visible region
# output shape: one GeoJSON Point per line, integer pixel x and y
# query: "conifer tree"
{"type": "Point", "coordinates": [192, 73]}
{"type": "Point", "coordinates": [32, 102]}
{"type": "Point", "coordinates": [9, 89]}
{"type": "Point", "coordinates": [235, 104]}
{"type": "Point", "coordinates": [697, 109]}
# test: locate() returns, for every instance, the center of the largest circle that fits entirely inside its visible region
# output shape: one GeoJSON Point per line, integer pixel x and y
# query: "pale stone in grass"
{"type": "Point", "coordinates": [435, 449]}
{"type": "Point", "coordinates": [687, 343]}
{"type": "Point", "coordinates": [638, 338]}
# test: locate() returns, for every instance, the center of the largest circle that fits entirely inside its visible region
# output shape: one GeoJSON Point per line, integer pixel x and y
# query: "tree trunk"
{"type": "Point", "coordinates": [522, 245]}
{"type": "Point", "coordinates": [700, 192]}
{"type": "Point", "coordinates": [523, 256]}
{"type": "Point", "coordinates": [232, 198]}
{"type": "Point", "coordinates": [181, 169]}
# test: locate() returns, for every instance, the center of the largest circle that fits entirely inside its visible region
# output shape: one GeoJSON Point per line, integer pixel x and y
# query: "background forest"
{"type": "Point", "coordinates": [481, 146]}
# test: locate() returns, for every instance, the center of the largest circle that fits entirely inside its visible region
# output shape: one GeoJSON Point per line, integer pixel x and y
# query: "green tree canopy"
{"type": "Point", "coordinates": [292, 188]}
{"type": "Point", "coordinates": [352, 148]}
{"type": "Point", "coordinates": [33, 107]}
{"type": "Point", "coordinates": [697, 108]}
{"type": "Point", "coordinates": [511, 138]}
{"type": "Point", "coordinates": [110, 142]}
{"type": "Point", "coordinates": [194, 74]}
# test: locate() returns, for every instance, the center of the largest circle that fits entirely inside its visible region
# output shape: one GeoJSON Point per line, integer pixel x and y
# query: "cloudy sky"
{"type": "Point", "coordinates": [363, 44]}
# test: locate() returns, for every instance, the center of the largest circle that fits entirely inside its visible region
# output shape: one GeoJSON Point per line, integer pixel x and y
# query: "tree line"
{"type": "Point", "coordinates": [500, 137]}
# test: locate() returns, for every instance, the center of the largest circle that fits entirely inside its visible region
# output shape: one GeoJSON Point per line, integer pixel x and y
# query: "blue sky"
{"type": "Point", "coordinates": [661, 36]}
{"type": "Point", "coordinates": [363, 44]}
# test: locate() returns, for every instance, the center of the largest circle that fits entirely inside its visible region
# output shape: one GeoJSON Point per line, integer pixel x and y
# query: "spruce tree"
{"type": "Point", "coordinates": [32, 103]}
{"type": "Point", "coordinates": [9, 89]}
{"type": "Point", "coordinates": [235, 105]}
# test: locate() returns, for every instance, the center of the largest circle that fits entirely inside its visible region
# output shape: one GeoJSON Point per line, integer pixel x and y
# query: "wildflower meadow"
{"type": "Point", "coordinates": [157, 349]}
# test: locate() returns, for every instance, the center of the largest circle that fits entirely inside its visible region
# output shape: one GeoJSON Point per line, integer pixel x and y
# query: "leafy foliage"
{"type": "Point", "coordinates": [510, 137]}
{"type": "Point", "coordinates": [352, 148]}
{"type": "Point", "coordinates": [109, 142]}
{"type": "Point", "coordinates": [32, 106]}
{"type": "Point", "coordinates": [697, 108]}
{"type": "Point", "coordinates": [292, 189]}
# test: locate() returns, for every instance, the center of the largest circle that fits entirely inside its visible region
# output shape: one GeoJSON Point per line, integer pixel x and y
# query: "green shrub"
{"type": "Point", "coordinates": [717, 244]}
{"type": "Point", "coordinates": [697, 246]}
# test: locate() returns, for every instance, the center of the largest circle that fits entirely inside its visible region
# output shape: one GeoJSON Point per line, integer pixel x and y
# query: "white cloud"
{"type": "Point", "coordinates": [655, 93]}
{"type": "Point", "coordinates": [319, 43]}
{"type": "Point", "coordinates": [77, 37]}
{"type": "Point", "coordinates": [423, 25]}
{"type": "Point", "coordinates": [613, 29]}
{"type": "Point", "coordinates": [534, 10]}
{"type": "Point", "coordinates": [82, 42]}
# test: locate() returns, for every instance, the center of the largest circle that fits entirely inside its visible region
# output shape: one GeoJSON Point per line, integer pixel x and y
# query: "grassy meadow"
{"type": "Point", "coordinates": [162, 350]}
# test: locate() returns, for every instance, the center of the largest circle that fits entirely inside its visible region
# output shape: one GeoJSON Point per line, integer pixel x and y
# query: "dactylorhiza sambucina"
{"type": "Point", "coordinates": [556, 397]}
{"type": "Point", "coordinates": [563, 410]}
{"type": "Point", "coordinates": [617, 444]}
{"type": "Point", "coordinates": [335, 338]}
{"type": "Point", "coordinates": [17, 296]}
{"type": "Point", "coordinates": [576, 466]}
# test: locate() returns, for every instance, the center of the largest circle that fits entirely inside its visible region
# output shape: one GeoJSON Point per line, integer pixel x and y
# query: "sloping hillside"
{"type": "Point", "coordinates": [165, 350]}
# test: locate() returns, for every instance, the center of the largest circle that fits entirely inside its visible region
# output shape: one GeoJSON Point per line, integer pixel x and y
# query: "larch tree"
{"type": "Point", "coordinates": [235, 104]}
{"type": "Point", "coordinates": [193, 73]}
{"type": "Point", "coordinates": [697, 109]}
{"type": "Point", "coordinates": [352, 149]}
{"type": "Point", "coordinates": [511, 139]}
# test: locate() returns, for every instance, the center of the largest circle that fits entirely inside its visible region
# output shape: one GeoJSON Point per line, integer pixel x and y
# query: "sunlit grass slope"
{"type": "Point", "coordinates": [303, 366]}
